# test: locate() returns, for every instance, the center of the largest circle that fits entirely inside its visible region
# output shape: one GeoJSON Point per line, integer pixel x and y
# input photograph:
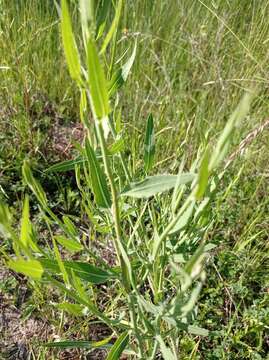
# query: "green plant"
{"type": "Point", "coordinates": [159, 240]}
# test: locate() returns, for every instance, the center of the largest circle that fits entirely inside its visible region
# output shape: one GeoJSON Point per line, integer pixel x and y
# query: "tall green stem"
{"type": "Point", "coordinates": [115, 208]}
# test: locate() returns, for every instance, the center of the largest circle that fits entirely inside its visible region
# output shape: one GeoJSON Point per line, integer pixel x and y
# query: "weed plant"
{"type": "Point", "coordinates": [159, 225]}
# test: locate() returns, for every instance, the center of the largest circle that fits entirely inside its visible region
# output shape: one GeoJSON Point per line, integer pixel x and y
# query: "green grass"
{"type": "Point", "coordinates": [193, 63]}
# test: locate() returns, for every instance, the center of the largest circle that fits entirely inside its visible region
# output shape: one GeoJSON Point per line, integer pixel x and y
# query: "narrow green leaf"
{"type": "Point", "coordinates": [82, 270]}
{"type": "Point", "coordinates": [119, 77]}
{"type": "Point", "coordinates": [115, 82]}
{"type": "Point", "coordinates": [103, 11]}
{"type": "Point", "coordinates": [70, 226]}
{"type": "Point", "coordinates": [5, 220]}
{"type": "Point", "coordinates": [153, 185]}
{"type": "Point", "coordinates": [119, 346]}
{"type": "Point", "coordinates": [184, 219]}
{"type": "Point", "coordinates": [69, 44]}
{"type": "Point", "coordinates": [224, 139]}
{"type": "Point", "coordinates": [186, 308]}
{"type": "Point", "coordinates": [166, 352]}
{"type": "Point", "coordinates": [191, 329]}
{"type": "Point", "coordinates": [73, 309]}
{"type": "Point", "coordinates": [31, 268]}
{"type": "Point", "coordinates": [126, 68]}
{"type": "Point", "coordinates": [66, 165]}
{"type": "Point", "coordinates": [34, 184]}
{"type": "Point", "coordinates": [194, 265]}
{"type": "Point", "coordinates": [113, 27]}
{"type": "Point", "coordinates": [149, 149]}
{"type": "Point", "coordinates": [26, 225]}
{"type": "Point", "coordinates": [87, 16]}
{"type": "Point", "coordinates": [70, 344]}
{"type": "Point", "coordinates": [98, 178]}
{"type": "Point", "coordinates": [196, 330]}
{"type": "Point", "coordinates": [80, 344]}
{"type": "Point", "coordinates": [97, 83]}
{"type": "Point", "coordinates": [203, 175]}
{"type": "Point", "coordinates": [116, 147]}
{"type": "Point", "coordinates": [60, 263]}
{"type": "Point", "coordinates": [70, 244]}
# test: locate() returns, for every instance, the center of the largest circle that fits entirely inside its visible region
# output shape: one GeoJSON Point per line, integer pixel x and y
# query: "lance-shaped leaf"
{"type": "Point", "coordinates": [73, 309]}
{"type": "Point", "coordinates": [119, 346]}
{"type": "Point", "coordinates": [34, 184]}
{"type": "Point", "coordinates": [203, 175]}
{"type": "Point", "coordinates": [76, 344]}
{"type": "Point", "coordinates": [97, 82]}
{"type": "Point", "coordinates": [98, 178]}
{"type": "Point", "coordinates": [184, 219]}
{"type": "Point", "coordinates": [82, 270]}
{"type": "Point", "coordinates": [119, 77]}
{"type": "Point", "coordinates": [153, 185]}
{"type": "Point", "coordinates": [26, 226]}
{"type": "Point", "coordinates": [149, 149]}
{"type": "Point", "coordinates": [113, 27]}
{"type": "Point", "coordinates": [69, 44]}
{"type": "Point", "coordinates": [225, 138]}
{"type": "Point", "coordinates": [66, 165]}
{"type": "Point", "coordinates": [166, 352]}
{"type": "Point", "coordinates": [31, 268]}
{"type": "Point", "coordinates": [71, 245]}
{"type": "Point", "coordinates": [192, 329]}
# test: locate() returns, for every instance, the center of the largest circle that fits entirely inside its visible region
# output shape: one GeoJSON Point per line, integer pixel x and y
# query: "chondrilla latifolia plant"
{"type": "Point", "coordinates": [158, 224]}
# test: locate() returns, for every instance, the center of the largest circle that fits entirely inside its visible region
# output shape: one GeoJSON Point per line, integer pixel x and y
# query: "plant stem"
{"type": "Point", "coordinates": [115, 209]}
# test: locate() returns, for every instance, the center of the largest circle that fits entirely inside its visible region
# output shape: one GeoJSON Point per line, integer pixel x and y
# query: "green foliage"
{"type": "Point", "coordinates": [129, 251]}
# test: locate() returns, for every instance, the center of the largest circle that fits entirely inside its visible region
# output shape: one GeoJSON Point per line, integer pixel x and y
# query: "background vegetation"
{"type": "Point", "coordinates": [193, 62]}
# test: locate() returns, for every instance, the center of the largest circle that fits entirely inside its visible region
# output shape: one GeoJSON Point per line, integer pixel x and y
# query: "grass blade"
{"type": "Point", "coordinates": [34, 184]}
{"type": "Point", "coordinates": [118, 347]}
{"type": "Point", "coordinates": [74, 344]}
{"type": "Point", "coordinates": [113, 27]}
{"type": "Point", "coordinates": [149, 150]}
{"type": "Point", "coordinates": [69, 44]}
{"type": "Point", "coordinates": [203, 175]}
{"type": "Point", "coordinates": [126, 68]}
{"type": "Point", "coordinates": [66, 165]}
{"type": "Point", "coordinates": [25, 223]}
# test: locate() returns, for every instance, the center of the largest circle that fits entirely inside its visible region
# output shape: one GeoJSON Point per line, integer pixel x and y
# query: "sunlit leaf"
{"type": "Point", "coordinates": [97, 82]}
{"type": "Point", "coordinates": [113, 27]}
{"type": "Point", "coordinates": [98, 178]}
{"type": "Point", "coordinates": [74, 344]}
{"type": "Point", "coordinates": [70, 244]}
{"type": "Point", "coordinates": [66, 165]}
{"type": "Point", "coordinates": [34, 184]}
{"type": "Point", "coordinates": [203, 175]}
{"type": "Point", "coordinates": [31, 268]}
{"type": "Point", "coordinates": [82, 270]}
{"type": "Point", "coordinates": [73, 309]}
{"type": "Point", "coordinates": [119, 346]}
{"type": "Point", "coordinates": [69, 43]}
{"type": "Point", "coordinates": [166, 352]}
{"type": "Point", "coordinates": [184, 219]}
{"type": "Point", "coordinates": [153, 185]}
